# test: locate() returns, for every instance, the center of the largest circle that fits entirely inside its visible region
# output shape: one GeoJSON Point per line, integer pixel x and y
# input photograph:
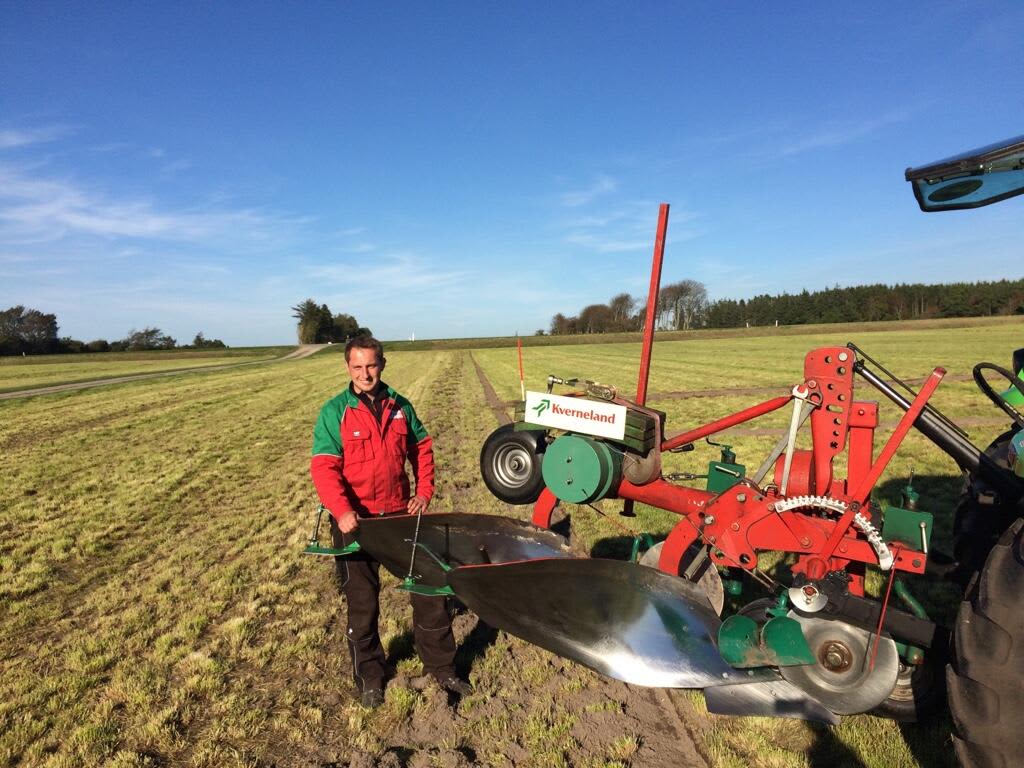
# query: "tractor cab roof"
{"type": "Point", "coordinates": [971, 179]}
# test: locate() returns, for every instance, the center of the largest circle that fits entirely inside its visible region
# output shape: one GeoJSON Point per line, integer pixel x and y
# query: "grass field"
{"type": "Point", "coordinates": [155, 609]}
{"type": "Point", "coordinates": [18, 373]}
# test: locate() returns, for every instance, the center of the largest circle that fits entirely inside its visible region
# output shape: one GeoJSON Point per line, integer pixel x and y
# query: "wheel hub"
{"type": "Point", "coordinates": [512, 465]}
{"type": "Point", "coordinates": [835, 656]}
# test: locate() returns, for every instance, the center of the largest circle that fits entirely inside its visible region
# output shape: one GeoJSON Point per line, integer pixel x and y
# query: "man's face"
{"type": "Point", "coordinates": [365, 368]}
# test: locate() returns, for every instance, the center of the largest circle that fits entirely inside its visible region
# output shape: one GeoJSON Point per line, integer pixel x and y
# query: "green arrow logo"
{"type": "Point", "coordinates": [542, 406]}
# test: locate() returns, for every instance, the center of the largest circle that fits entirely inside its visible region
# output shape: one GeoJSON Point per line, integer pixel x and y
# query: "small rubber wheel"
{"type": "Point", "coordinates": [510, 464]}
{"type": "Point", "coordinates": [985, 681]}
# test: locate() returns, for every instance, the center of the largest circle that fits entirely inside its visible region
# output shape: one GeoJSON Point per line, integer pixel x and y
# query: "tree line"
{"type": "Point", "coordinates": [681, 306]}
{"type": "Point", "coordinates": [684, 305]}
{"type": "Point", "coordinates": [31, 332]}
{"type": "Point", "coordinates": [317, 325]}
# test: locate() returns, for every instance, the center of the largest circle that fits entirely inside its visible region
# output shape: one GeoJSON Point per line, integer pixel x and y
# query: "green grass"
{"type": "Point", "coordinates": [154, 608]}
{"type": "Point", "coordinates": [28, 372]}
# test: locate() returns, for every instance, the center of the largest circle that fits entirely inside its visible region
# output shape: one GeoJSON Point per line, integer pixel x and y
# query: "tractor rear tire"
{"type": "Point", "coordinates": [985, 681]}
{"type": "Point", "coordinates": [510, 464]}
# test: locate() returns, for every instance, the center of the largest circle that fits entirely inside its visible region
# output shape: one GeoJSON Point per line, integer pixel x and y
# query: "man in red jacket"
{"type": "Point", "coordinates": [361, 442]}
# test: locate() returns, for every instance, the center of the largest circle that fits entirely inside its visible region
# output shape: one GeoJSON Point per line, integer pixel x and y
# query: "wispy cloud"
{"type": "Point", "coordinates": [38, 209]}
{"type": "Point", "coordinates": [624, 227]}
{"type": "Point", "coordinates": [390, 275]}
{"type": "Point", "coordinates": [837, 134]}
{"type": "Point", "coordinates": [14, 138]}
{"type": "Point", "coordinates": [601, 244]}
{"type": "Point", "coordinates": [576, 198]}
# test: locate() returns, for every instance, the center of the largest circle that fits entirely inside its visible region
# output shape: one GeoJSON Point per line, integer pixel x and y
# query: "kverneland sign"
{"type": "Point", "coordinates": [574, 414]}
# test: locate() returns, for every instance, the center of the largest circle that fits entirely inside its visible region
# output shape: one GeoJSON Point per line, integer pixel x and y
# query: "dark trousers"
{"type": "Point", "coordinates": [359, 580]}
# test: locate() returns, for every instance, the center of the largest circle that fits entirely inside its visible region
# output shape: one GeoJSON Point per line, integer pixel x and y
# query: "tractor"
{"type": "Point", "coordinates": [816, 646]}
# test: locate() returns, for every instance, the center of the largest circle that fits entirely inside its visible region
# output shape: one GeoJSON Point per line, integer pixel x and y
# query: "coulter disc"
{"type": "Point", "coordinates": [842, 678]}
{"type": "Point", "coordinates": [621, 619]}
{"type": "Point", "coordinates": [456, 539]}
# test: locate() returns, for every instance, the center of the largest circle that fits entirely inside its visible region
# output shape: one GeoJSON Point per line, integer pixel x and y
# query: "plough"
{"type": "Point", "coordinates": [801, 527]}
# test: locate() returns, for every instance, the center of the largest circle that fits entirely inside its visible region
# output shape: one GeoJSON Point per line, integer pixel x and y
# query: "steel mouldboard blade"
{"type": "Point", "coordinates": [623, 620]}
{"type": "Point", "coordinates": [456, 539]}
{"type": "Point", "coordinates": [772, 698]}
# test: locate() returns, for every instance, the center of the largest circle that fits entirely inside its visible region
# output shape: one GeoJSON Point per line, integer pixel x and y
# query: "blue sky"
{"type": "Point", "coordinates": [469, 169]}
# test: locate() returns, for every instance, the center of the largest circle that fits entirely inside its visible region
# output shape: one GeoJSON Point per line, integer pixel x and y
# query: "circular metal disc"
{"type": "Point", "coordinates": [710, 582]}
{"type": "Point", "coordinates": [850, 686]}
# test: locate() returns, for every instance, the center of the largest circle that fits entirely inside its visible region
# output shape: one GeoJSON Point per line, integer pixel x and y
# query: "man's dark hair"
{"type": "Point", "coordinates": [365, 342]}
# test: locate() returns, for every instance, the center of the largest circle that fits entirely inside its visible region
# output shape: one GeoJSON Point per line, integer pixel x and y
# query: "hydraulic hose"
{"type": "Point", "coordinates": [968, 456]}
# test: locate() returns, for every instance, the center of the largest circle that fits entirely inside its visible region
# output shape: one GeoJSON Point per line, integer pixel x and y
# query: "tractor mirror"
{"type": "Point", "coordinates": [972, 179]}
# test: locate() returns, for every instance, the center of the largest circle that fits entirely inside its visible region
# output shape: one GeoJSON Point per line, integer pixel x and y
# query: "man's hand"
{"type": "Point", "coordinates": [417, 505]}
{"type": "Point", "coordinates": [348, 522]}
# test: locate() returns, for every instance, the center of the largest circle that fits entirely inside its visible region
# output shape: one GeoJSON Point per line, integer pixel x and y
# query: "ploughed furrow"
{"type": "Point", "coordinates": [494, 402]}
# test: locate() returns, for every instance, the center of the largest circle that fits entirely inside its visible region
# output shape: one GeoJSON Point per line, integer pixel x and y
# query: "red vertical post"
{"type": "Point", "coordinates": [652, 305]}
{"type": "Point", "coordinates": [652, 311]}
{"type": "Point", "coordinates": [522, 379]}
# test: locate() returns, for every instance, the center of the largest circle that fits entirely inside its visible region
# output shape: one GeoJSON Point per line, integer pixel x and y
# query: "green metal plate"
{"type": "Point", "coordinates": [904, 525]}
{"type": "Point", "coordinates": [780, 643]}
{"type": "Point", "coordinates": [720, 480]}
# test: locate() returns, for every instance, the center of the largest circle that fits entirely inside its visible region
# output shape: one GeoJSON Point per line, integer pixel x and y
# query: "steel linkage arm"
{"type": "Point", "coordinates": [729, 421]}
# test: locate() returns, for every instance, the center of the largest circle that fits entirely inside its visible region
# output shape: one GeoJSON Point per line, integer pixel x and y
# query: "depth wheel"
{"type": "Point", "coordinates": [918, 693]}
{"type": "Point", "coordinates": [986, 679]}
{"type": "Point", "coordinates": [510, 464]}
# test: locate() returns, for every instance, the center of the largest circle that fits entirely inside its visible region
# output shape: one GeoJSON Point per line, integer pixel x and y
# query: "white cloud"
{"type": "Point", "coordinates": [12, 138]}
{"type": "Point", "coordinates": [624, 227]}
{"type": "Point", "coordinates": [389, 276]}
{"type": "Point", "coordinates": [35, 209]}
{"type": "Point", "coordinates": [575, 199]}
{"type": "Point", "coordinates": [838, 134]}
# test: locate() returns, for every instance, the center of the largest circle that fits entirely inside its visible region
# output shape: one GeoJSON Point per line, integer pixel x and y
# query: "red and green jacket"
{"type": "Point", "coordinates": [358, 462]}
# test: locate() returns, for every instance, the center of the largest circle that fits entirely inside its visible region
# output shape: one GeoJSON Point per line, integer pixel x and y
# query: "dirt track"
{"type": "Point", "coordinates": [304, 350]}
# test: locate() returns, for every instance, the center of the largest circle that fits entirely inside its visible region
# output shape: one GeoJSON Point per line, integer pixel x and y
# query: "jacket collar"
{"type": "Point", "coordinates": [353, 400]}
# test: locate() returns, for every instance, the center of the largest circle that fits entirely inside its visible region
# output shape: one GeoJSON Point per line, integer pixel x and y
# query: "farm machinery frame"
{"type": "Point", "coordinates": [818, 646]}
{"type": "Point", "coordinates": [819, 630]}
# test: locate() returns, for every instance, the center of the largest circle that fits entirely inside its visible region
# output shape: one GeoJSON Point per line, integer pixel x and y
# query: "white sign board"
{"type": "Point", "coordinates": [574, 414]}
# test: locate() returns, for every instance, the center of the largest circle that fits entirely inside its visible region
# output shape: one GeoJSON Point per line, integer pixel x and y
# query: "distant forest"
{"type": "Point", "coordinates": [684, 306]}
{"type": "Point", "coordinates": [31, 332]}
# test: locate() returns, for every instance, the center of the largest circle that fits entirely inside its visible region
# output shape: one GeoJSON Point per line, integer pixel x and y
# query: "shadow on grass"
{"type": "Point", "coordinates": [400, 647]}
{"type": "Point", "coordinates": [827, 751]}
{"type": "Point", "coordinates": [473, 647]}
{"type": "Point", "coordinates": [929, 743]}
